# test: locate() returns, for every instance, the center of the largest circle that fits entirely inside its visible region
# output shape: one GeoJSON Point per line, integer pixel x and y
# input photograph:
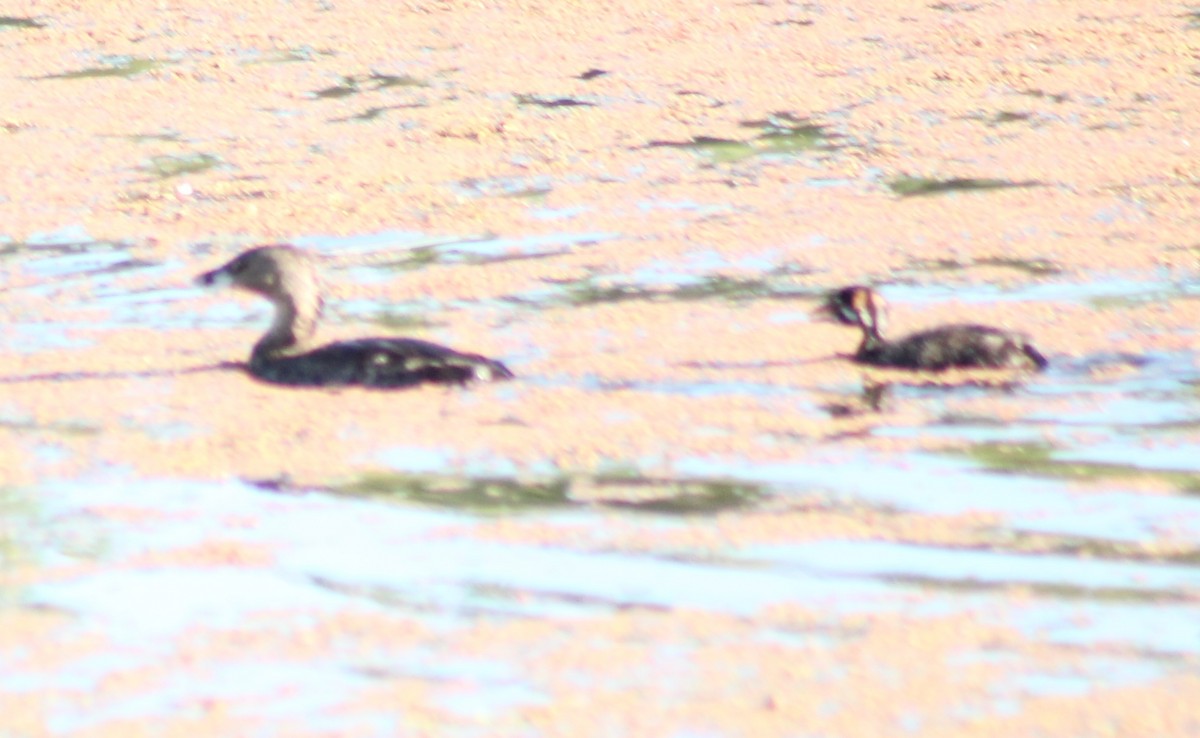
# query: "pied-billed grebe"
{"type": "Point", "coordinates": [288, 278]}
{"type": "Point", "coordinates": [965, 345]}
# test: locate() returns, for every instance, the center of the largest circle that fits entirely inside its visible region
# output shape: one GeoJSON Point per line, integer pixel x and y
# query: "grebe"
{"type": "Point", "coordinates": [963, 345]}
{"type": "Point", "coordinates": [287, 277]}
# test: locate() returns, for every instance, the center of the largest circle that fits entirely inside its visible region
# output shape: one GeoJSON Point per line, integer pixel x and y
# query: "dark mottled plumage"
{"type": "Point", "coordinates": [288, 278]}
{"type": "Point", "coordinates": [965, 345]}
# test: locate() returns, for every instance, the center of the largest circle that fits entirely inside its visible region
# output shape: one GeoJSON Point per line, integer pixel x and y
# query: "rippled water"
{"type": "Point", "coordinates": [1060, 473]}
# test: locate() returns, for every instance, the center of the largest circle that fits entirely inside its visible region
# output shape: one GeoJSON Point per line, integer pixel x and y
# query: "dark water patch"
{"type": "Point", "coordinates": [972, 569]}
{"type": "Point", "coordinates": [583, 292]}
{"type": "Point", "coordinates": [417, 257]}
{"type": "Point", "coordinates": [552, 102]}
{"type": "Point", "coordinates": [516, 256]}
{"type": "Point", "coordinates": [595, 291]}
{"type": "Point", "coordinates": [167, 166]}
{"type": "Point", "coordinates": [718, 150]}
{"type": "Point", "coordinates": [347, 87]}
{"type": "Point", "coordinates": [423, 256]}
{"type": "Point", "coordinates": [735, 289]}
{"type": "Point", "coordinates": [784, 133]}
{"type": "Point", "coordinates": [15, 21]}
{"type": "Point", "coordinates": [1038, 459]}
{"type": "Point", "coordinates": [1168, 426]}
{"type": "Point", "coordinates": [496, 495]}
{"type": "Point", "coordinates": [368, 250]}
{"type": "Point", "coordinates": [352, 85]}
{"type": "Point", "coordinates": [61, 428]}
{"type": "Point", "coordinates": [1042, 94]}
{"type": "Point", "coordinates": [1095, 549]}
{"type": "Point", "coordinates": [1062, 591]}
{"type": "Point", "coordinates": [1104, 360]}
{"type": "Point", "coordinates": [676, 497]}
{"type": "Point", "coordinates": [114, 66]}
{"type": "Point", "coordinates": [1127, 300]}
{"type": "Point", "coordinates": [388, 81]}
{"type": "Point", "coordinates": [564, 603]}
{"type": "Point", "coordinates": [167, 137]}
{"type": "Point", "coordinates": [1032, 266]}
{"type": "Point", "coordinates": [591, 74]}
{"type": "Point", "coordinates": [372, 113]}
{"type": "Point", "coordinates": [505, 495]}
{"type": "Point", "coordinates": [955, 7]}
{"type": "Point", "coordinates": [688, 280]}
{"type": "Point", "coordinates": [288, 56]}
{"type": "Point", "coordinates": [780, 134]}
{"type": "Point", "coordinates": [1008, 116]}
{"type": "Point", "coordinates": [489, 249]}
{"type": "Point", "coordinates": [969, 421]}
{"type": "Point", "coordinates": [488, 255]}
{"type": "Point", "coordinates": [924, 186]}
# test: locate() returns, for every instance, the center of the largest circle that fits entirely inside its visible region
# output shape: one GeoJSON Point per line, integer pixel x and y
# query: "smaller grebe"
{"type": "Point", "coordinates": [288, 278]}
{"type": "Point", "coordinates": [947, 346]}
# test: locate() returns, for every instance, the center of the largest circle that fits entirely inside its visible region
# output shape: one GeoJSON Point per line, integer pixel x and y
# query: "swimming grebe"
{"type": "Point", "coordinates": [288, 278]}
{"type": "Point", "coordinates": [965, 345]}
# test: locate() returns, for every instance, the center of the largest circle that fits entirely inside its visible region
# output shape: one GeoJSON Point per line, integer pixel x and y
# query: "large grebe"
{"type": "Point", "coordinates": [287, 277]}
